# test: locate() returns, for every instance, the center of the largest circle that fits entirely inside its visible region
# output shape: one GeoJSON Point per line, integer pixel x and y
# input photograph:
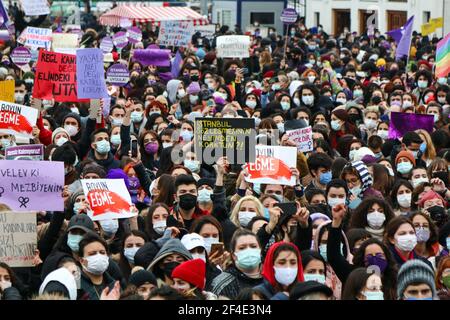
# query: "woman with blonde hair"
{"type": "Point", "coordinates": [265, 59]}
{"type": "Point", "coordinates": [245, 210]}
{"type": "Point", "coordinates": [427, 146]}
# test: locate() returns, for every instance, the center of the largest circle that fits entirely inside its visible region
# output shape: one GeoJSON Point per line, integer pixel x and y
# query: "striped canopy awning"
{"type": "Point", "coordinates": [154, 15]}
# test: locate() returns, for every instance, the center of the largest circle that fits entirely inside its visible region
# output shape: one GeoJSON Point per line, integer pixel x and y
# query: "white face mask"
{"type": "Point", "coordinates": [72, 130]}
{"type": "Point", "coordinates": [97, 264]}
{"type": "Point", "coordinates": [370, 123]}
{"type": "Point", "coordinates": [376, 219]}
{"type": "Point", "coordinates": [110, 226]}
{"type": "Point", "coordinates": [285, 276]}
{"type": "Point", "coordinates": [406, 242]}
{"type": "Point", "coordinates": [308, 100]}
{"type": "Point", "coordinates": [251, 104]}
{"type": "Point", "coordinates": [199, 256]}
{"type": "Point", "coordinates": [341, 100]}
{"type": "Point", "coordinates": [181, 93]}
{"type": "Point", "coordinates": [416, 182]}
{"type": "Point", "coordinates": [404, 200]}
{"type": "Point", "coordinates": [167, 144]}
{"type": "Point", "coordinates": [245, 217]}
{"type": "Point", "coordinates": [383, 134]}
{"type": "Point", "coordinates": [332, 202]}
{"type": "Point", "coordinates": [5, 284]}
{"type": "Point", "coordinates": [160, 226]}
{"type": "Point", "coordinates": [61, 141]}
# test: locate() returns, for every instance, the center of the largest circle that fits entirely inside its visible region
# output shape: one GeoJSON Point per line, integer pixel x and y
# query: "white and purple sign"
{"type": "Point", "coordinates": [21, 56]}
{"type": "Point", "coordinates": [106, 45]}
{"type": "Point", "coordinates": [120, 39]}
{"type": "Point", "coordinates": [289, 16]}
{"type": "Point", "coordinates": [134, 35]}
{"type": "Point", "coordinates": [118, 75]}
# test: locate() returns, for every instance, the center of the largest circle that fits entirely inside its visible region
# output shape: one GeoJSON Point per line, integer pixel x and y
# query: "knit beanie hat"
{"type": "Point", "coordinates": [73, 115]}
{"type": "Point", "coordinates": [405, 154]}
{"type": "Point", "coordinates": [414, 272]}
{"type": "Point", "coordinates": [193, 88]}
{"type": "Point", "coordinates": [141, 277]}
{"type": "Point", "coordinates": [74, 196]}
{"type": "Point", "coordinates": [59, 130]}
{"type": "Point", "coordinates": [118, 174]}
{"type": "Point", "coordinates": [192, 271]}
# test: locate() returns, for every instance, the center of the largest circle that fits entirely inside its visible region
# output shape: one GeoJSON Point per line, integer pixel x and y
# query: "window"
{"type": "Point", "coordinates": [316, 18]}
{"type": "Point", "coordinates": [262, 17]}
{"type": "Point", "coordinates": [426, 16]}
{"type": "Point", "coordinates": [226, 17]}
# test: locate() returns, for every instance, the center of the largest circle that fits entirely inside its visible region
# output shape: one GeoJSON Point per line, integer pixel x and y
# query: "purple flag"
{"type": "Point", "coordinates": [156, 57]}
{"type": "Point", "coordinates": [166, 77]}
{"type": "Point", "coordinates": [3, 16]}
{"type": "Point", "coordinates": [404, 45]}
{"type": "Point", "coordinates": [405, 122]}
{"type": "Point", "coordinates": [176, 64]}
{"type": "Point", "coordinates": [396, 35]}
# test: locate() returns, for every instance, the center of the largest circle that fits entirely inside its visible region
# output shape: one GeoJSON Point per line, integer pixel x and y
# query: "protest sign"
{"type": "Point", "coordinates": [118, 75]}
{"type": "Point", "coordinates": [25, 152]}
{"type": "Point", "coordinates": [64, 40]}
{"type": "Point", "coordinates": [18, 238]}
{"type": "Point", "coordinates": [155, 57]}
{"type": "Point", "coordinates": [120, 39]}
{"type": "Point", "coordinates": [302, 137]}
{"type": "Point", "coordinates": [108, 199]}
{"type": "Point", "coordinates": [404, 122]}
{"type": "Point", "coordinates": [20, 56]}
{"type": "Point", "coordinates": [56, 77]}
{"type": "Point", "coordinates": [175, 33]}
{"type": "Point", "coordinates": [38, 38]}
{"type": "Point", "coordinates": [272, 165]}
{"type": "Point", "coordinates": [289, 16]}
{"type": "Point", "coordinates": [7, 90]}
{"type": "Point", "coordinates": [234, 138]}
{"type": "Point", "coordinates": [90, 74]}
{"type": "Point", "coordinates": [134, 35]}
{"type": "Point", "coordinates": [17, 119]}
{"type": "Point", "coordinates": [106, 45]}
{"type": "Point", "coordinates": [233, 46]}
{"type": "Point", "coordinates": [206, 31]}
{"type": "Point", "coordinates": [35, 7]}
{"type": "Point", "coordinates": [24, 184]}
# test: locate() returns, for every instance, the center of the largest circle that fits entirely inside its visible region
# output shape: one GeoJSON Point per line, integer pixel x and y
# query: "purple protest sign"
{"type": "Point", "coordinates": [154, 57]}
{"type": "Point", "coordinates": [134, 35]}
{"type": "Point", "coordinates": [25, 152]}
{"type": "Point", "coordinates": [32, 185]}
{"type": "Point", "coordinates": [289, 16]}
{"type": "Point", "coordinates": [405, 122]}
{"type": "Point", "coordinates": [90, 74]}
{"type": "Point", "coordinates": [118, 75]}
{"type": "Point", "coordinates": [21, 56]}
{"type": "Point", "coordinates": [106, 45]}
{"type": "Point", "coordinates": [120, 39]}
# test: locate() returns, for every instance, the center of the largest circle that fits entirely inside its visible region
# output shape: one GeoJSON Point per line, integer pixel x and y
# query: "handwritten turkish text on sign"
{"type": "Point", "coordinates": [175, 33]}
{"type": "Point", "coordinates": [65, 40]}
{"type": "Point", "coordinates": [18, 238]}
{"type": "Point", "coordinates": [56, 77]}
{"type": "Point", "coordinates": [24, 184]}
{"type": "Point", "coordinates": [17, 119]}
{"type": "Point", "coordinates": [233, 46]}
{"type": "Point", "coordinates": [35, 7]}
{"type": "Point", "coordinates": [90, 74]}
{"type": "Point", "coordinates": [272, 165]}
{"type": "Point", "coordinates": [7, 90]}
{"type": "Point", "coordinates": [302, 137]}
{"type": "Point", "coordinates": [108, 199]}
{"type": "Point", "coordinates": [234, 138]}
{"type": "Point", "coordinates": [38, 38]}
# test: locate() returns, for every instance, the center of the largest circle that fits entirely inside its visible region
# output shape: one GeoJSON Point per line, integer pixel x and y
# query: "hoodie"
{"type": "Point", "coordinates": [172, 90]}
{"type": "Point", "coordinates": [65, 278]}
{"type": "Point", "coordinates": [366, 181]}
{"type": "Point", "coordinates": [267, 288]}
{"type": "Point", "coordinates": [170, 247]}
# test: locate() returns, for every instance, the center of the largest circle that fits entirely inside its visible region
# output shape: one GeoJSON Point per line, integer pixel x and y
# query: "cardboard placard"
{"type": "Point", "coordinates": [7, 90]}
{"type": "Point", "coordinates": [233, 46]}
{"type": "Point", "coordinates": [90, 74]}
{"type": "Point", "coordinates": [302, 137]}
{"type": "Point", "coordinates": [175, 33]}
{"type": "Point", "coordinates": [26, 152]}
{"type": "Point", "coordinates": [17, 119]}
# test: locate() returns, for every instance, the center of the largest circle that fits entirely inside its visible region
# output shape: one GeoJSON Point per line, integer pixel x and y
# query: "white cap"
{"type": "Point", "coordinates": [192, 240]}
{"type": "Point", "coordinates": [361, 152]}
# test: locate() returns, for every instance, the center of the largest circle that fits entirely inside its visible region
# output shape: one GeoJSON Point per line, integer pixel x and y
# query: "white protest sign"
{"type": "Point", "coordinates": [38, 38]}
{"type": "Point", "coordinates": [64, 40]}
{"type": "Point", "coordinates": [233, 46]}
{"type": "Point", "coordinates": [175, 33]}
{"type": "Point", "coordinates": [35, 7]}
{"type": "Point", "coordinates": [18, 238]}
{"type": "Point", "coordinates": [206, 31]}
{"type": "Point", "coordinates": [108, 199]}
{"type": "Point", "coordinates": [17, 119]}
{"type": "Point", "coordinates": [302, 138]}
{"type": "Point", "coordinates": [272, 165]}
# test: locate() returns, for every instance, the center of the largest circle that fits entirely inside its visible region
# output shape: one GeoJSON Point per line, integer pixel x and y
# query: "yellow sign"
{"type": "Point", "coordinates": [438, 22]}
{"type": "Point", "coordinates": [427, 29]}
{"type": "Point", "coordinates": [7, 90]}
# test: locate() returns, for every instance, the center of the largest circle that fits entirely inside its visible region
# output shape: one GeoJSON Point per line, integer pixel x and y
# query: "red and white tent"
{"type": "Point", "coordinates": [154, 15]}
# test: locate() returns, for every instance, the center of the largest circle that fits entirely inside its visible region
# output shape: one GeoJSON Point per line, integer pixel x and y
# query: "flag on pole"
{"type": "Point", "coordinates": [395, 34]}
{"type": "Point", "coordinates": [3, 16]}
{"type": "Point", "coordinates": [443, 57]}
{"type": "Point", "coordinates": [176, 65]}
{"type": "Point", "coordinates": [404, 44]}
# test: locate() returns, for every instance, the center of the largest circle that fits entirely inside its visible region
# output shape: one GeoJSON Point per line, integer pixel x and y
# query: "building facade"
{"type": "Point", "coordinates": [336, 15]}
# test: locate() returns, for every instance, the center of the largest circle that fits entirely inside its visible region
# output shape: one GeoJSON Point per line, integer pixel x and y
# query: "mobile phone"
{"type": "Point", "coordinates": [289, 208]}
{"type": "Point", "coordinates": [244, 70]}
{"type": "Point", "coordinates": [134, 148]}
{"type": "Point", "coordinates": [217, 247]}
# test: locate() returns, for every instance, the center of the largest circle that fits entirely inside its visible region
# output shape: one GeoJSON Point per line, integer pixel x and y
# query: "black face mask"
{"type": "Point", "coordinates": [438, 215]}
{"type": "Point", "coordinates": [194, 78]}
{"type": "Point", "coordinates": [188, 201]}
{"type": "Point", "coordinates": [168, 268]}
{"type": "Point", "coordinates": [353, 118]}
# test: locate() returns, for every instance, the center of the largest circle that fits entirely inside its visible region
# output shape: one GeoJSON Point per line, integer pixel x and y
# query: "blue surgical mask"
{"type": "Point", "coordinates": [320, 278]}
{"type": "Point", "coordinates": [129, 253]}
{"type": "Point", "coordinates": [73, 241]}
{"type": "Point", "coordinates": [103, 146]}
{"type": "Point", "coordinates": [136, 116]}
{"type": "Point", "coordinates": [204, 195]}
{"type": "Point", "coordinates": [77, 207]}
{"type": "Point", "coordinates": [248, 259]}
{"type": "Point", "coordinates": [186, 135]}
{"type": "Point", "coordinates": [336, 125]}
{"type": "Point", "coordinates": [374, 295]}
{"type": "Point", "coordinates": [323, 251]}
{"type": "Point", "coordinates": [414, 299]}
{"type": "Point", "coordinates": [267, 214]}
{"type": "Point", "coordinates": [257, 188]}
{"type": "Point", "coordinates": [285, 105]}
{"type": "Point", "coordinates": [325, 177]}
{"type": "Point", "coordinates": [423, 147]}
{"type": "Point", "coordinates": [115, 139]}
{"type": "Point", "coordinates": [192, 165]}
{"type": "Point", "coordinates": [404, 167]}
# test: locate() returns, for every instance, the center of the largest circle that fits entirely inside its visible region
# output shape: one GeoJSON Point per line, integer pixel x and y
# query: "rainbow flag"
{"type": "Point", "coordinates": [443, 57]}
